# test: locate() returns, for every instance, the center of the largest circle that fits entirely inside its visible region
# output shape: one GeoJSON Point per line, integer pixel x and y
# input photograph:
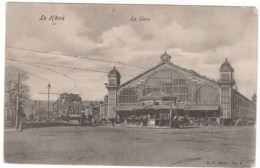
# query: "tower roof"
{"type": "Point", "coordinates": [114, 73]}
{"type": "Point", "coordinates": [226, 67]}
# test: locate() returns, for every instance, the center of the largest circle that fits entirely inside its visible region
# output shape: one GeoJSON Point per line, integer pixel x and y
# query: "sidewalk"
{"type": "Point", "coordinates": [148, 127]}
{"type": "Point", "coordinates": [133, 126]}
{"type": "Point", "coordinates": [11, 130]}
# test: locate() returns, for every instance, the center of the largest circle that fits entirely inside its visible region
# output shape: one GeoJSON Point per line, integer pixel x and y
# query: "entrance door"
{"type": "Point", "coordinates": [151, 117]}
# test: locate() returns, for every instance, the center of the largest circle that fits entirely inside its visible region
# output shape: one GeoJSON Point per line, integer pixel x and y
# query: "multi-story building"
{"type": "Point", "coordinates": [104, 108]}
{"type": "Point", "coordinates": [168, 87]}
{"type": "Point", "coordinates": [68, 105]}
{"type": "Point", "coordinates": [93, 108]}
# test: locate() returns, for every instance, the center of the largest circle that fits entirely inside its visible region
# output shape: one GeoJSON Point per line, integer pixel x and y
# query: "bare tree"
{"type": "Point", "coordinates": [12, 85]}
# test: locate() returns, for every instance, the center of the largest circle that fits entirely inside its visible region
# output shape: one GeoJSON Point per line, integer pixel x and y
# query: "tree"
{"type": "Point", "coordinates": [12, 73]}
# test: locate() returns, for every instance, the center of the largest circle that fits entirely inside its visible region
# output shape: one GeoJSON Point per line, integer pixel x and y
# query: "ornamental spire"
{"type": "Point", "coordinates": [165, 57]}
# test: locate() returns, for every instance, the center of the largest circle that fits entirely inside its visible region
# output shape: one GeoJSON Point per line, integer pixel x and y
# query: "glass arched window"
{"type": "Point", "coordinates": [128, 95]}
{"type": "Point", "coordinates": [162, 81]}
{"type": "Point", "coordinates": [207, 94]}
{"type": "Point", "coordinates": [225, 77]}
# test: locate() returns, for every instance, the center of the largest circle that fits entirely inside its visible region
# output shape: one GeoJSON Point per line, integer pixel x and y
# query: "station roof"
{"type": "Point", "coordinates": [170, 63]}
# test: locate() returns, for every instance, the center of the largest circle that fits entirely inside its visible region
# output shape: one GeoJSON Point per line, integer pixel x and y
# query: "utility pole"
{"type": "Point", "coordinates": [32, 114]}
{"type": "Point", "coordinates": [49, 87]}
{"type": "Point", "coordinates": [10, 106]}
{"type": "Point", "coordinates": [53, 108]}
{"type": "Point", "coordinates": [17, 103]}
{"type": "Point", "coordinates": [48, 93]}
{"type": "Point", "coordinates": [171, 103]}
{"type": "Point", "coordinates": [35, 102]}
{"type": "Point", "coordinates": [39, 107]}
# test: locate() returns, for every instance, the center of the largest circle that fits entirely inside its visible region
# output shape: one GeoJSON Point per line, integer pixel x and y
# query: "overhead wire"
{"type": "Point", "coordinates": [38, 76]}
{"type": "Point", "coordinates": [76, 56]}
{"type": "Point", "coordinates": [74, 82]}
{"type": "Point", "coordinates": [66, 67]}
{"type": "Point", "coordinates": [31, 64]}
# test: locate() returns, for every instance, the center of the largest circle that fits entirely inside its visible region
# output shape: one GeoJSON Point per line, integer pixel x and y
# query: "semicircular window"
{"type": "Point", "coordinates": [128, 95]}
{"type": "Point", "coordinates": [207, 94]}
{"type": "Point", "coordinates": [162, 81]}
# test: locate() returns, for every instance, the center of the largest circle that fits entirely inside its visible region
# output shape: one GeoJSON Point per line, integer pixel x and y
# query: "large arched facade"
{"type": "Point", "coordinates": [168, 86]}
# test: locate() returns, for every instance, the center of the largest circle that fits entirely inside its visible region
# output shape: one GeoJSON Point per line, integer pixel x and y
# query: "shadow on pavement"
{"type": "Point", "coordinates": [45, 124]}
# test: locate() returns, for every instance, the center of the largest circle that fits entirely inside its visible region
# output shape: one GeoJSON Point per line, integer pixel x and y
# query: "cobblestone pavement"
{"type": "Point", "coordinates": [107, 145]}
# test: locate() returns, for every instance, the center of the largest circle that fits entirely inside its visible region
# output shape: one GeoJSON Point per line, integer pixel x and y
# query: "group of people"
{"type": "Point", "coordinates": [180, 121]}
{"type": "Point", "coordinates": [82, 119]}
{"type": "Point", "coordinates": [116, 120]}
{"type": "Point", "coordinates": [144, 120]}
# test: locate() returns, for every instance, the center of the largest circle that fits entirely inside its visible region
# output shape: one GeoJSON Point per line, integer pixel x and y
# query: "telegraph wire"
{"type": "Point", "coordinates": [74, 82]}
{"type": "Point", "coordinates": [62, 66]}
{"type": "Point", "coordinates": [76, 56]}
{"type": "Point", "coordinates": [38, 76]}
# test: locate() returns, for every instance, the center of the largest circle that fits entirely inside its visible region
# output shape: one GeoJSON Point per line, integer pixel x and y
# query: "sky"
{"type": "Point", "coordinates": [197, 38]}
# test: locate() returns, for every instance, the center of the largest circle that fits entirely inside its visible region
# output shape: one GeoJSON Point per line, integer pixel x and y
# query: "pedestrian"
{"type": "Point", "coordinates": [174, 121]}
{"type": "Point", "coordinates": [144, 124]}
{"type": "Point", "coordinates": [160, 121]}
{"type": "Point", "coordinates": [22, 121]}
{"type": "Point", "coordinates": [82, 118]}
{"type": "Point", "coordinates": [90, 119]}
{"type": "Point", "coordinates": [113, 121]}
{"type": "Point", "coordinates": [146, 120]}
{"type": "Point", "coordinates": [93, 121]}
{"type": "Point", "coordinates": [142, 120]}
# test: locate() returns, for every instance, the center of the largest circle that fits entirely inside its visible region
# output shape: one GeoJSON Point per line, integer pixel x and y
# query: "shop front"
{"type": "Point", "coordinates": [159, 114]}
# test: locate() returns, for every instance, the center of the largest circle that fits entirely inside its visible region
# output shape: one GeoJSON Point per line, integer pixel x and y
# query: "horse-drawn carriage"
{"type": "Point", "coordinates": [180, 121]}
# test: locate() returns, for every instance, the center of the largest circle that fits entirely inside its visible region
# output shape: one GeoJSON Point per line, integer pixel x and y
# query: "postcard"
{"type": "Point", "coordinates": [130, 85]}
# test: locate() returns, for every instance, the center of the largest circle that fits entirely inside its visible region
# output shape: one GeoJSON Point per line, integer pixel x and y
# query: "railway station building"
{"type": "Point", "coordinates": [167, 87]}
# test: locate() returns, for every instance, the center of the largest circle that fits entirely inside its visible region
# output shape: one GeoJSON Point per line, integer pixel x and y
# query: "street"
{"type": "Point", "coordinates": [107, 145]}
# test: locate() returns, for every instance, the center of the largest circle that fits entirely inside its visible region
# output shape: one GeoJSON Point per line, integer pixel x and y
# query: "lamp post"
{"type": "Point", "coordinates": [49, 93]}
{"type": "Point", "coordinates": [49, 87]}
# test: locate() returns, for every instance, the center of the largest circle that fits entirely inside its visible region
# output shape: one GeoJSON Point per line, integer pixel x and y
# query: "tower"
{"type": "Point", "coordinates": [112, 86]}
{"type": "Point", "coordinates": [226, 84]}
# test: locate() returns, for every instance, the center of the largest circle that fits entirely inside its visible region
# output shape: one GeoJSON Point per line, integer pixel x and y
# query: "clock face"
{"type": "Point", "coordinates": [165, 57]}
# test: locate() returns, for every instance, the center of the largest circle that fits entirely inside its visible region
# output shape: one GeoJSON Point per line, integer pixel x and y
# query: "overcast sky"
{"type": "Point", "coordinates": [197, 38]}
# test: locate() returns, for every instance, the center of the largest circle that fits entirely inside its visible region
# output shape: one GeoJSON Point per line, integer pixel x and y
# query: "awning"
{"type": "Point", "coordinates": [156, 95]}
{"type": "Point", "coordinates": [206, 107]}
{"type": "Point", "coordinates": [193, 107]}
{"type": "Point", "coordinates": [143, 107]}
{"type": "Point", "coordinates": [127, 108]}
